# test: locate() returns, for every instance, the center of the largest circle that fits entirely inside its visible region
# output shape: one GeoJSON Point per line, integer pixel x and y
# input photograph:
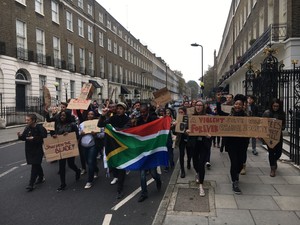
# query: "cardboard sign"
{"type": "Point", "coordinates": [47, 97]}
{"type": "Point", "coordinates": [79, 104]}
{"type": "Point", "coordinates": [274, 132]}
{"type": "Point", "coordinates": [49, 126]}
{"type": "Point", "coordinates": [226, 108]}
{"type": "Point", "coordinates": [190, 111]}
{"type": "Point", "coordinates": [86, 91]}
{"type": "Point", "coordinates": [90, 126]}
{"type": "Point", "coordinates": [232, 126]}
{"type": "Point", "coordinates": [162, 96]}
{"type": "Point", "coordinates": [181, 123]}
{"type": "Point", "coordinates": [64, 146]}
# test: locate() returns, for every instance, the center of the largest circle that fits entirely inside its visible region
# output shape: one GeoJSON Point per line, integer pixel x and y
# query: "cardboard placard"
{"type": "Point", "coordinates": [274, 132]}
{"type": "Point", "coordinates": [181, 123]}
{"type": "Point", "coordinates": [47, 97]}
{"type": "Point", "coordinates": [86, 91]}
{"type": "Point", "coordinates": [232, 126]}
{"type": "Point", "coordinates": [90, 126]}
{"type": "Point", "coordinates": [79, 104]}
{"type": "Point", "coordinates": [190, 111]}
{"type": "Point", "coordinates": [49, 125]}
{"type": "Point", "coordinates": [64, 146]}
{"type": "Point", "coordinates": [162, 96]}
{"type": "Point", "coordinates": [226, 108]}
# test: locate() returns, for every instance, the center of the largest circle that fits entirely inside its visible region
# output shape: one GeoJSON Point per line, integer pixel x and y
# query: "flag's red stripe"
{"type": "Point", "coordinates": [155, 126]}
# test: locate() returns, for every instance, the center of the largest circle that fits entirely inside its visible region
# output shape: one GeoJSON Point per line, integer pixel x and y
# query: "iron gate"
{"type": "Point", "coordinates": [275, 82]}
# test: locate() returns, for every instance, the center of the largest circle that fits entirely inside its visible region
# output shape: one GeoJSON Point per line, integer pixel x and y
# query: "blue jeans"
{"type": "Point", "coordinates": [91, 160]}
{"type": "Point", "coordinates": [155, 176]}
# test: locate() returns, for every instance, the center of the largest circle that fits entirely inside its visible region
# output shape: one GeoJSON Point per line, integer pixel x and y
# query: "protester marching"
{"type": "Point", "coordinates": [144, 136]}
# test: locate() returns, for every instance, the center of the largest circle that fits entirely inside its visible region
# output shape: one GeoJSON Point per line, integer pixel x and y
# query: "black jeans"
{"type": "Point", "coordinates": [200, 152]}
{"type": "Point", "coordinates": [36, 171]}
{"type": "Point", "coordinates": [237, 159]}
{"type": "Point", "coordinates": [182, 147]}
{"type": "Point", "coordinates": [275, 153]}
{"type": "Point", "coordinates": [62, 168]}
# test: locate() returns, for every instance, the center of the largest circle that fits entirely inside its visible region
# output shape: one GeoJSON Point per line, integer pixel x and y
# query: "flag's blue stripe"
{"type": "Point", "coordinates": [159, 158]}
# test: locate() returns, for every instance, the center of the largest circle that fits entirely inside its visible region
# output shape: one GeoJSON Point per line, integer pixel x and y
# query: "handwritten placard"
{"type": "Point", "coordinates": [226, 108]}
{"type": "Point", "coordinates": [86, 91]}
{"type": "Point", "coordinates": [90, 126]}
{"type": "Point", "coordinates": [64, 146]}
{"type": "Point", "coordinates": [49, 125]}
{"type": "Point", "coordinates": [162, 96]}
{"type": "Point", "coordinates": [47, 97]}
{"type": "Point", "coordinates": [274, 132]}
{"type": "Point", "coordinates": [231, 126]}
{"type": "Point", "coordinates": [79, 104]}
{"type": "Point", "coordinates": [181, 123]}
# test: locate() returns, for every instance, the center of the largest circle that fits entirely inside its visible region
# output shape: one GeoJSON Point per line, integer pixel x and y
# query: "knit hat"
{"type": "Point", "coordinates": [122, 104]}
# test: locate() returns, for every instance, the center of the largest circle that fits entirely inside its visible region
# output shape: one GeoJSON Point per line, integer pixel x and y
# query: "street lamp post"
{"type": "Point", "coordinates": [66, 90]}
{"type": "Point", "coordinates": [197, 45]}
{"type": "Point", "coordinates": [201, 79]}
{"type": "Point", "coordinates": [56, 84]}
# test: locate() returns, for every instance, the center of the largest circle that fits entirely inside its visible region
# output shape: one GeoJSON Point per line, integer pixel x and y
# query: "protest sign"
{"type": "Point", "coordinates": [86, 91]}
{"type": "Point", "coordinates": [181, 123]}
{"type": "Point", "coordinates": [90, 126]}
{"type": "Point", "coordinates": [232, 126]}
{"type": "Point", "coordinates": [79, 104]}
{"type": "Point", "coordinates": [226, 108]}
{"type": "Point", "coordinates": [190, 111]}
{"type": "Point", "coordinates": [49, 126]}
{"type": "Point", "coordinates": [64, 146]}
{"type": "Point", "coordinates": [47, 97]}
{"type": "Point", "coordinates": [162, 96]}
{"type": "Point", "coordinates": [274, 132]}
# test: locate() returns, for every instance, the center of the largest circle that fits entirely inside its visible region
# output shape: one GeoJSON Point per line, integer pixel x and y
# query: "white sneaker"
{"type": "Point", "coordinates": [201, 191]}
{"type": "Point", "coordinates": [114, 181]}
{"type": "Point", "coordinates": [88, 185]}
{"type": "Point", "coordinates": [83, 171]}
{"type": "Point", "coordinates": [208, 165]}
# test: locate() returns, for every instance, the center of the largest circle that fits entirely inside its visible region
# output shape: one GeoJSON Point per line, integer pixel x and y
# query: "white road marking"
{"type": "Point", "coordinates": [107, 219]}
{"type": "Point", "coordinates": [121, 203]}
{"type": "Point", "coordinates": [8, 171]}
{"type": "Point", "coordinates": [7, 145]}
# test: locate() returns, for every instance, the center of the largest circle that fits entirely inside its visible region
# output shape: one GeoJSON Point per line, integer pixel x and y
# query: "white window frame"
{"type": "Point", "coordinates": [100, 17]}
{"type": "Point", "coordinates": [90, 9]}
{"type": "Point", "coordinates": [70, 53]}
{"type": "Point", "coordinates": [109, 44]}
{"type": "Point", "coordinates": [80, 27]}
{"type": "Point", "coordinates": [101, 40]}
{"type": "Point", "coordinates": [56, 51]}
{"type": "Point", "coordinates": [115, 48]}
{"type": "Point", "coordinates": [21, 33]}
{"type": "Point", "coordinates": [39, 6]}
{"type": "Point", "coordinates": [81, 59]}
{"type": "Point", "coordinates": [80, 4]}
{"type": "Point", "coordinates": [69, 21]}
{"type": "Point", "coordinates": [55, 11]}
{"type": "Point", "coordinates": [120, 51]}
{"type": "Point", "coordinates": [40, 45]}
{"type": "Point", "coordinates": [91, 63]}
{"type": "Point", "coordinates": [72, 89]}
{"type": "Point", "coordinates": [90, 33]}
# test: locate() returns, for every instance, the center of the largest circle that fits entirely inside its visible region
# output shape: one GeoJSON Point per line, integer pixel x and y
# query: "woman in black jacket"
{"type": "Point", "coordinates": [275, 111]}
{"type": "Point", "coordinates": [63, 126]}
{"type": "Point", "coordinates": [33, 136]}
{"type": "Point", "coordinates": [236, 146]}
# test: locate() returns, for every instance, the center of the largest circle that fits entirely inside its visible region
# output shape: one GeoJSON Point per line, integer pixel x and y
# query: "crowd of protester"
{"type": "Point", "coordinates": [121, 115]}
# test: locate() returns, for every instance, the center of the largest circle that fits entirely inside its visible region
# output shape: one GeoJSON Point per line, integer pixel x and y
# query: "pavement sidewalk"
{"type": "Point", "coordinates": [264, 200]}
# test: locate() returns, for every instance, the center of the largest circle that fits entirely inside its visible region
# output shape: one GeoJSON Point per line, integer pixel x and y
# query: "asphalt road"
{"type": "Point", "coordinates": [75, 205]}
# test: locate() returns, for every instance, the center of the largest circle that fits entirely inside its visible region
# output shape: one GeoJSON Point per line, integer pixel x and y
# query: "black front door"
{"type": "Point", "coordinates": [20, 97]}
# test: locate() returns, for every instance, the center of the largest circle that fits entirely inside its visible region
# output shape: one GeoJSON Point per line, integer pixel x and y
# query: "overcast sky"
{"type": "Point", "coordinates": [169, 27]}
